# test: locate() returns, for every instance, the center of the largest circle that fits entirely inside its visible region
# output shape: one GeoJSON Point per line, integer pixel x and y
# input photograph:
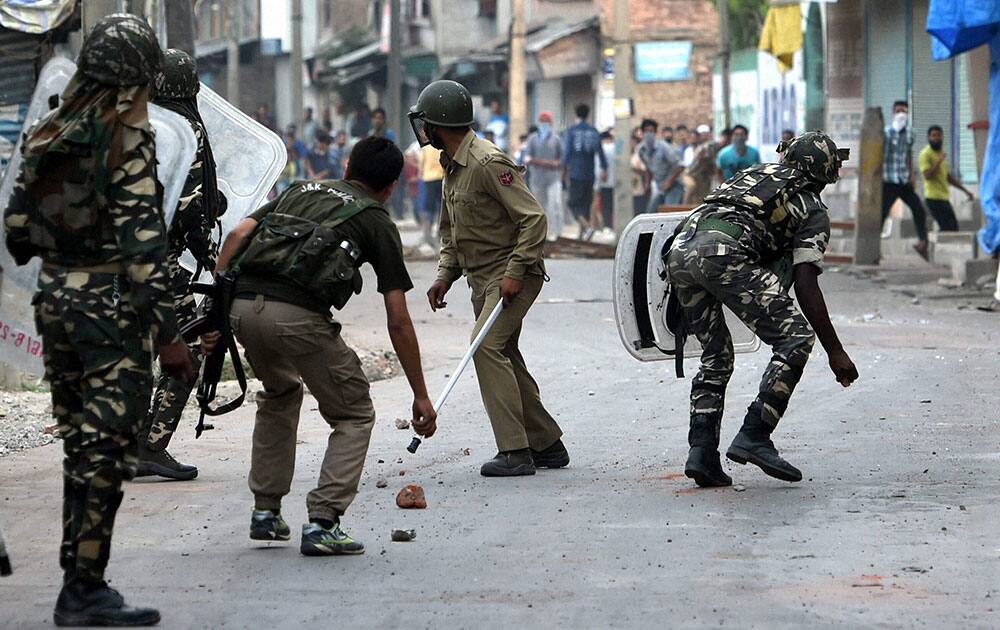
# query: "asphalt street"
{"type": "Point", "coordinates": [896, 523]}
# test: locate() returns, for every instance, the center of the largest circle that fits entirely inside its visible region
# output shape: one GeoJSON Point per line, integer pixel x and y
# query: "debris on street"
{"type": "Point", "coordinates": [411, 497]}
{"type": "Point", "coordinates": [403, 535]}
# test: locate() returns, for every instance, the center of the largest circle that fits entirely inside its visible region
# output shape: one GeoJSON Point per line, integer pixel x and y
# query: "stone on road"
{"type": "Point", "coordinates": [896, 522]}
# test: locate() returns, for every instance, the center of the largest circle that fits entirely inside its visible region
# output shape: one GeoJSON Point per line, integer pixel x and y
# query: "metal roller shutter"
{"type": "Point", "coordinates": [886, 66]}
{"type": "Point", "coordinates": [19, 52]}
{"type": "Point", "coordinates": [933, 88]}
{"type": "Point", "coordinates": [19, 57]}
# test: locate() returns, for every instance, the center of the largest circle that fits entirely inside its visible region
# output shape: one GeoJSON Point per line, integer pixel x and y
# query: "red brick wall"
{"type": "Point", "coordinates": [674, 102]}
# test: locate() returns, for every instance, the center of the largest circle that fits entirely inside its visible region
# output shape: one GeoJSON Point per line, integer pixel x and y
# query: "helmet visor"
{"type": "Point", "coordinates": [419, 126]}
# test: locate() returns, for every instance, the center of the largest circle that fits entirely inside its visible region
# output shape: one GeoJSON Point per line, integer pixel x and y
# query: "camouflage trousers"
{"type": "Point", "coordinates": [97, 361]}
{"type": "Point", "coordinates": [708, 271]}
{"type": "Point", "coordinates": [171, 396]}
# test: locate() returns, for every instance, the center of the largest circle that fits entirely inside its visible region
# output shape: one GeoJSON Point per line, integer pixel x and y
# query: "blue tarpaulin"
{"type": "Point", "coordinates": [957, 26]}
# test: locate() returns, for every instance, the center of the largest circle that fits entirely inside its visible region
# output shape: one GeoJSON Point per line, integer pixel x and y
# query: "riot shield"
{"type": "Point", "coordinates": [249, 158]}
{"type": "Point", "coordinates": [176, 145]}
{"type": "Point", "coordinates": [639, 293]}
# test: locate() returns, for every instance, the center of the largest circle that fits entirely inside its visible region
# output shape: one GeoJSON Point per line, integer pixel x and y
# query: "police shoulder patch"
{"type": "Point", "coordinates": [506, 177]}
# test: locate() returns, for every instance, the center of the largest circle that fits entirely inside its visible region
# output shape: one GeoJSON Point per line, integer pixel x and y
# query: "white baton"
{"type": "Point", "coordinates": [415, 442]}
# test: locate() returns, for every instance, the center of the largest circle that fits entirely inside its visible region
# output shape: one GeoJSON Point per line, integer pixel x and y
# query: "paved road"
{"type": "Point", "coordinates": [896, 523]}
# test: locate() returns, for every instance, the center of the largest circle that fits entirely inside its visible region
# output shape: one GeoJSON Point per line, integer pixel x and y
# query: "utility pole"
{"type": "Point", "coordinates": [180, 26]}
{"type": "Point", "coordinates": [95, 10]}
{"type": "Point", "coordinates": [296, 69]}
{"type": "Point", "coordinates": [234, 20]}
{"type": "Point", "coordinates": [518, 84]}
{"type": "Point", "coordinates": [624, 92]}
{"type": "Point", "coordinates": [724, 56]}
{"type": "Point", "coordinates": [394, 98]}
{"type": "Point", "coordinates": [868, 228]}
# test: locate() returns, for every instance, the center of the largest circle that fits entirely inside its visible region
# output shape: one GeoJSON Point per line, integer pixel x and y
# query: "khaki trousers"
{"type": "Point", "coordinates": [509, 393]}
{"type": "Point", "coordinates": [286, 345]}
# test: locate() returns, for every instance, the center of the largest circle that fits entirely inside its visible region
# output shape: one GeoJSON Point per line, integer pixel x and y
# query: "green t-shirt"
{"type": "Point", "coordinates": [372, 231]}
{"type": "Point", "coordinates": [935, 187]}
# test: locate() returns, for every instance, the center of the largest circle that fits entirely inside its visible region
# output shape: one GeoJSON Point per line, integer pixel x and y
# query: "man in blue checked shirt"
{"type": "Point", "coordinates": [897, 173]}
{"type": "Point", "coordinates": [583, 144]}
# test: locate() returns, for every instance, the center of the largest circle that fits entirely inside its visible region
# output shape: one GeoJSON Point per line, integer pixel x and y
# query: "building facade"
{"type": "Point", "coordinates": [879, 51]}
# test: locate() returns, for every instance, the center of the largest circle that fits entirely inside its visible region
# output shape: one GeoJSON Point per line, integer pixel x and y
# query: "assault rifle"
{"type": "Point", "coordinates": [215, 318]}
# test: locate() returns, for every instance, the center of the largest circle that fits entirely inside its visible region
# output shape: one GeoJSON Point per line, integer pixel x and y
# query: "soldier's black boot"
{"type": "Point", "coordinates": [88, 603]}
{"type": "Point", "coordinates": [704, 464]}
{"type": "Point", "coordinates": [555, 456]}
{"type": "Point", "coordinates": [163, 464]}
{"type": "Point", "coordinates": [509, 464]}
{"type": "Point", "coordinates": [753, 444]}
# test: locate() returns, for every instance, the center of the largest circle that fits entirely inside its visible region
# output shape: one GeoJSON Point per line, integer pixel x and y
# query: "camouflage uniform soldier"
{"type": "Point", "coordinates": [724, 255]}
{"type": "Point", "coordinates": [86, 203]}
{"type": "Point", "coordinates": [176, 88]}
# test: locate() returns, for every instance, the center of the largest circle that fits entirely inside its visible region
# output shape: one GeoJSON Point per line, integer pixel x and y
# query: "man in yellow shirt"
{"type": "Point", "coordinates": [432, 176]}
{"type": "Point", "coordinates": [934, 168]}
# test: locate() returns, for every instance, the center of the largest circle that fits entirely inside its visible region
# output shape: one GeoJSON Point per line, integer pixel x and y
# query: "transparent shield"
{"type": "Point", "coordinates": [249, 159]}
{"type": "Point", "coordinates": [639, 293]}
{"type": "Point", "coordinates": [175, 150]}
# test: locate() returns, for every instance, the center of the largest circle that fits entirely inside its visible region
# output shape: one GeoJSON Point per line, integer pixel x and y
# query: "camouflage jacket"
{"type": "Point", "coordinates": [191, 229]}
{"type": "Point", "coordinates": [97, 202]}
{"type": "Point", "coordinates": [779, 215]}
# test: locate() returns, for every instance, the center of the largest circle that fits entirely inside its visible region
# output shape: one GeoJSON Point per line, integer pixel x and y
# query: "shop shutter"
{"type": "Point", "coordinates": [966, 158]}
{"type": "Point", "coordinates": [886, 64]}
{"type": "Point", "coordinates": [933, 89]}
{"type": "Point", "coordinates": [19, 55]}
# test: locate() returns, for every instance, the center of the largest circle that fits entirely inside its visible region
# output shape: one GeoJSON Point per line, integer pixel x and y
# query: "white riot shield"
{"type": "Point", "coordinates": [639, 293]}
{"type": "Point", "coordinates": [176, 145]}
{"type": "Point", "coordinates": [249, 158]}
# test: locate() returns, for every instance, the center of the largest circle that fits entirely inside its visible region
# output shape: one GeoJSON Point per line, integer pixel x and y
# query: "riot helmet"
{"type": "Point", "coordinates": [441, 104]}
{"type": "Point", "coordinates": [177, 78]}
{"type": "Point", "coordinates": [815, 154]}
{"type": "Point", "coordinates": [122, 51]}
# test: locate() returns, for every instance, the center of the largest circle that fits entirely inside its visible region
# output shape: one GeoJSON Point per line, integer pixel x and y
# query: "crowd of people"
{"type": "Point", "coordinates": [670, 165]}
{"type": "Point", "coordinates": [316, 152]}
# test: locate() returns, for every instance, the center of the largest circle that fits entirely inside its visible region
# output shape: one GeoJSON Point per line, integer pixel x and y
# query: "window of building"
{"type": "Point", "coordinates": [417, 9]}
{"type": "Point", "coordinates": [488, 8]}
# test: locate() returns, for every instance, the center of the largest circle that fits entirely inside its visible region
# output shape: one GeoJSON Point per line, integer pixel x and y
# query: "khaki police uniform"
{"type": "Point", "coordinates": [292, 342]}
{"type": "Point", "coordinates": [492, 227]}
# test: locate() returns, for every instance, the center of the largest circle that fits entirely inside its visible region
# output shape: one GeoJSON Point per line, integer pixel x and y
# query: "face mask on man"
{"type": "Point", "coordinates": [899, 121]}
{"type": "Point", "coordinates": [544, 129]}
{"type": "Point", "coordinates": [936, 144]}
{"type": "Point", "coordinates": [649, 137]}
{"type": "Point", "coordinates": [739, 142]}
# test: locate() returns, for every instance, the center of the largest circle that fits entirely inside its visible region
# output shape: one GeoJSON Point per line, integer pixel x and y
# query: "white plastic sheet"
{"type": "Point", "coordinates": [20, 347]}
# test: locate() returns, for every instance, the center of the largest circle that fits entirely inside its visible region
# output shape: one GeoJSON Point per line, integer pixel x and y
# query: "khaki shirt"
{"type": "Point", "coordinates": [491, 225]}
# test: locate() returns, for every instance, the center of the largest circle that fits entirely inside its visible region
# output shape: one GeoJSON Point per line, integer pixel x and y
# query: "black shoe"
{"type": "Point", "coordinates": [95, 604]}
{"type": "Point", "coordinates": [703, 463]}
{"type": "Point", "coordinates": [753, 444]}
{"type": "Point", "coordinates": [705, 466]}
{"type": "Point", "coordinates": [163, 464]}
{"type": "Point", "coordinates": [555, 456]}
{"type": "Point", "coordinates": [992, 307]}
{"type": "Point", "coordinates": [509, 464]}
